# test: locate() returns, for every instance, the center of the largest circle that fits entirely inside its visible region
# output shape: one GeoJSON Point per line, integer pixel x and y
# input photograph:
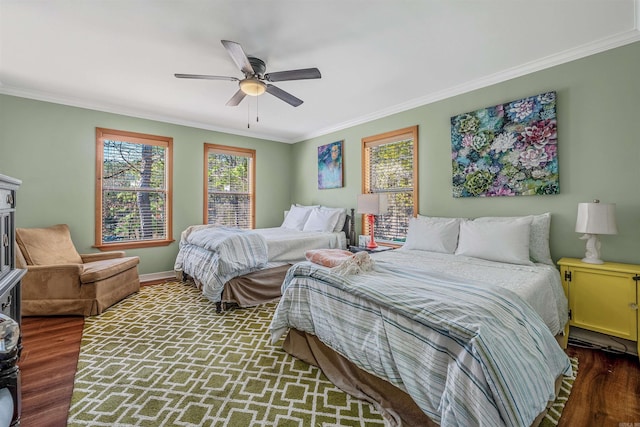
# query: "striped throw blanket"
{"type": "Point", "coordinates": [467, 354]}
{"type": "Point", "coordinates": [214, 255]}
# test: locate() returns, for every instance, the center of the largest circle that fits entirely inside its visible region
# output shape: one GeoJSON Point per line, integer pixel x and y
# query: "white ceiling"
{"type": "Point", "coordinates": [376, 57]}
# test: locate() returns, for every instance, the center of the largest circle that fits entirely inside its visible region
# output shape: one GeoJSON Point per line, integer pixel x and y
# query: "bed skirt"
{"type": "Point", "coordinates": [396, 406]}
{"type": "Point", "coordinates": [259, 287]}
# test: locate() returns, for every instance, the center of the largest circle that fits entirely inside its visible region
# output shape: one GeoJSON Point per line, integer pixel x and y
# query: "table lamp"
{"type": "Point", "coordinates": [595, 218]}
{"type": "Point", "coordinates": [371, 205]}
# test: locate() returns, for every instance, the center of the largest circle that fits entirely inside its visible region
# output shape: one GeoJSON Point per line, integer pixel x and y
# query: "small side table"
{"type": "Point", "coordinates": [602, 297]}
{"type": "Point", "coordinates": [355, 249]}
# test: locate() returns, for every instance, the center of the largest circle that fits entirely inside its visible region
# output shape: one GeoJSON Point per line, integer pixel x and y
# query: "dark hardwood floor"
{"type": "Point", "coordinates": [50, 349]}
{"type": "Point", "coordinates": [606, 391]}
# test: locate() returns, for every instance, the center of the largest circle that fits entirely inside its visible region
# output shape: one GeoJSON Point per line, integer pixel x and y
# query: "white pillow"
{"type": "Point", "coordinates": [297, 217]}
{"type": "Point", "coordinates": [434, 235]}
{"type": "Point", "coordinates": [322, 220]}
{"type": "Point", "coordinates": [502, 241]}
{"type": "Point", "coordinates": [342, 217]}
{"type": "Point", "coordinates": [538, 237]}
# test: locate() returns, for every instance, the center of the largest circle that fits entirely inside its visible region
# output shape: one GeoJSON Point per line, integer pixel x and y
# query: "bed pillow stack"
{"type": "Point", "coordinates": [315, 218]}
{"type": "Point", "coordinates": [516, 240]}
{"type": "Point", "coordinates": [297, 217]}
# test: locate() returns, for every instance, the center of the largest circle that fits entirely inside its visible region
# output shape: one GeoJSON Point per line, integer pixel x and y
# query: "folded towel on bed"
{"type": "Point", "coordinates": [328, 257]}
{"type": "Point", "coordinates": [340, 261]}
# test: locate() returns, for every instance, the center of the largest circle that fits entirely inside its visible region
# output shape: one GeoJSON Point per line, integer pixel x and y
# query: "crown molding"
{"type": "Point", "coordinates": [123, 111]}
{"type": "Point", "coordinates": [528, 68]}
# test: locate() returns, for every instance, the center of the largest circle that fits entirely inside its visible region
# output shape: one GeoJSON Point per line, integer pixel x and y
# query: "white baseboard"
{"type": "Point", "coordinates": [602, 341]}
{"type": "Point", "coordinates": [162, 275]}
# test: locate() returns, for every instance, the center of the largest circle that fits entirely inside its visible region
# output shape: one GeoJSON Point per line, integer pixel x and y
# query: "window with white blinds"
{"type": "Point", "coordinates": [390, 167]}
{"type": "Point", "coordinates": [229, 186]}
{"type": "Point", "coordinates": [133, 189]}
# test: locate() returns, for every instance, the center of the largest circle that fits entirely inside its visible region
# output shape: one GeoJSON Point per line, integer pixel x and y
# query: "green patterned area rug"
{"type": "Point", "coordinates": [163, 357]}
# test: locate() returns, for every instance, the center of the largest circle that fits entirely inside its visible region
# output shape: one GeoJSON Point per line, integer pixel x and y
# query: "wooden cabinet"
{"type": "Point", "coordinates": [10, 278]}
{"type": "Point", "coordinates": [9, 275]}
{"type": "Point", "coordinates": [602, 297]}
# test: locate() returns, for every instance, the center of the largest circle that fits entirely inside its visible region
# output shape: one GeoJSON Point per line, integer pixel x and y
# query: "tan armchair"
{"type": "Point", "coordinates": [60, 281]}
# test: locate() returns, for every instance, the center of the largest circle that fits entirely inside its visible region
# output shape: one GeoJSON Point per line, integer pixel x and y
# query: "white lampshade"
{"type": "Point", "coordinates": [596, 218]}
{"type": "Point", "coordinates": [374, 204]}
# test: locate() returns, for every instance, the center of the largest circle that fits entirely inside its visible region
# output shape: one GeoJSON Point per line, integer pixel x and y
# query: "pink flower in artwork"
{"type": "Point", "coordinates": [503, 191]}
{"type": "Point", "coordinates": [540, 133]}
{"type": "Point", "coordinates": [533, 158]}
{"type": "Point", "coordinates": [467, 140]}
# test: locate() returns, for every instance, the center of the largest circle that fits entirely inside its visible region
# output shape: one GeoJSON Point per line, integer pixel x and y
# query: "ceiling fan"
{"type": "Point", "coordinates": [255, 80]}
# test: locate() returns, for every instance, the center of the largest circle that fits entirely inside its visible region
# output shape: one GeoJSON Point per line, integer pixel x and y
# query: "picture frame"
{"type": "Point", "coordinates": [509, 149]}
{"type": "Point", "coordinates": [330, 165]}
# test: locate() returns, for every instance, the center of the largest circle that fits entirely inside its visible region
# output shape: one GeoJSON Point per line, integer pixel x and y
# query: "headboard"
{"type": "Point", "coordinates": [350, 229]}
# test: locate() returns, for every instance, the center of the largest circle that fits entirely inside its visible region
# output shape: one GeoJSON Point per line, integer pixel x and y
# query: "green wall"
{"type": "Point", "coordinates": [598, 150]}
{"type": "Point", "coordinates": [51, 148]}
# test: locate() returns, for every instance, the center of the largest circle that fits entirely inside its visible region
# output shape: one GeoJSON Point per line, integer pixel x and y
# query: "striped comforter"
{"type": "Point", "coordinates": [467, 354]}
{"type": "Point", "coordinates": [215, 255]}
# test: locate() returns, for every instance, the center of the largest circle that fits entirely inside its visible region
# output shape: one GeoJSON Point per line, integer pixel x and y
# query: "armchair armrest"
{"type": "Point", "coordinates": [51, 281]}
{"type": "Point", "coordinates": [100, 256]}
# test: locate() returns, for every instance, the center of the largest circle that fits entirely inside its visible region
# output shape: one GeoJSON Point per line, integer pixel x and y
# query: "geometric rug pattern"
{"type": "Point", "coordinates": [163, 357]}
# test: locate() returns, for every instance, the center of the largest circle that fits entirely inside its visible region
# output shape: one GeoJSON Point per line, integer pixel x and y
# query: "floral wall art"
{"type": "Point", "coordinates": [506, 150]}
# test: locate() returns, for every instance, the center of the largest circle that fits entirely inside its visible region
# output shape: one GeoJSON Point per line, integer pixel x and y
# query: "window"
{"type": "Point", "coordinates": [390, 166]}
{"type": "Point", "coordinates": [229, 186]}
{"type": "Point", "coordinates": [133, 190]}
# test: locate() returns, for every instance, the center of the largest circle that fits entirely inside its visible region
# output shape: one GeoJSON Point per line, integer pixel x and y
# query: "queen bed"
{"type": "Point", "coordinates": [246, 267]}
{"type": "Point", "coordinates": [437, 333]}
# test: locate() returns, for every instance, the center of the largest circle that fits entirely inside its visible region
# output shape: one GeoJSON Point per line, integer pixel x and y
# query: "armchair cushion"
{"type": "Point", "coordinates": [47, 246]}
{"type": "Point", "coordinates": [100, 270]}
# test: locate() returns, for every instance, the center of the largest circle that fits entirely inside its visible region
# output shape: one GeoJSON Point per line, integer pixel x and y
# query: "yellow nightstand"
{"type": "Point", "coordinates": [602, 297]}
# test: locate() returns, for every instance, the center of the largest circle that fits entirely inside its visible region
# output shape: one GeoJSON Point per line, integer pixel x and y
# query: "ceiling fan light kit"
{"type": "Point", "coordinates": [253, 83]}
{"type": "Point", "coordinates": [252, 87]}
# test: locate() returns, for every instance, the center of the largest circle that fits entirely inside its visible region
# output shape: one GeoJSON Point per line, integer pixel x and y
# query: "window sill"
{"type": "Point", "coordinates": [133, 245]}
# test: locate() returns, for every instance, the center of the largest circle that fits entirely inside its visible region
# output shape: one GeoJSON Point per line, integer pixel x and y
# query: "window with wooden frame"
{"type": "Point", "coordinates": [229, 186]}
{"type": "Point", "coordinates": [390, 167]}
{"type": "Point", "coordinates": [133, 190]}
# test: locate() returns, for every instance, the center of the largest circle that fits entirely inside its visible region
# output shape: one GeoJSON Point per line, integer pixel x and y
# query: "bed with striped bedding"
{"type": "Point", "coordinates": [213, 255]}
{"type": "Point", "coordinates": [467, 352]}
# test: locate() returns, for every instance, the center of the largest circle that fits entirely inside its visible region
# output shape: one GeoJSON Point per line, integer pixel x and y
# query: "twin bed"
{"type": "Point", "coordinates": [463, 325]}
{"type": "Point", "coordinates": [247, 267]}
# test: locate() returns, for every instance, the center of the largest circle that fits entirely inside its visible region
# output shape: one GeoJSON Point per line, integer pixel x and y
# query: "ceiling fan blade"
{"type": "Point", "coordinates": [236, 98]}
{"type": "Point", "coordinates": [206, 77]}
{"type": "Point", "coordinates": [285, 96]}
{"type": "Point", "coordinates": [303, 74]}
{"type": "Point", "coordinates": [238, 56]}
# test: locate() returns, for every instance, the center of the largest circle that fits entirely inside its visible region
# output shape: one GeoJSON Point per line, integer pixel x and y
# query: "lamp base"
{"type": "Point", "coordinates": [592, 254]}
{"type": "Point", "coordinates": [372, 242]}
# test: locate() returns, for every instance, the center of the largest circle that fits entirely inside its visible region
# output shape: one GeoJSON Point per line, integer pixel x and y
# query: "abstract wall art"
{"type": "Point", "coordinates": [330, 165]}
{"type": "Point", "coordinates": [506, 150]}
